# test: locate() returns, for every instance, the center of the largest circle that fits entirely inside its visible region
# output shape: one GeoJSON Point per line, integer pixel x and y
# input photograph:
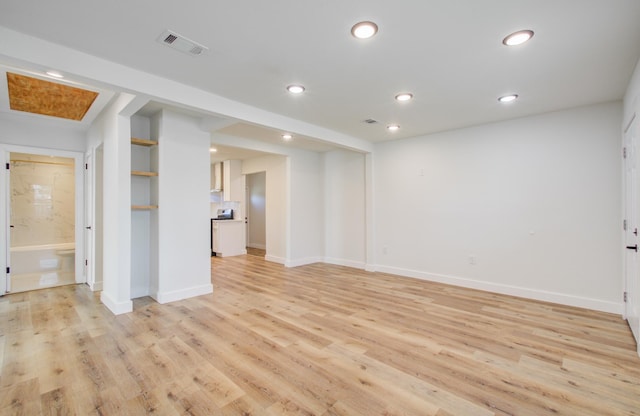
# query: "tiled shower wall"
{"type": "Point", "coordinates": [42, 200]}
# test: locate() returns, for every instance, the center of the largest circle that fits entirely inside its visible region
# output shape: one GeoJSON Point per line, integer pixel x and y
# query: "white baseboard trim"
{"type": "Point", "coordinates": [259, 246]}
{"type": "Point", "coordinates": [95, 286]}
{"type": "Point", "coordinates": [232, 253]}
{"type": "Point", "coordinates": [536, 294]}
{"type": "Point", "coordinates": [275, 259]}
{"type": "Point", "coordinates": [166, 297]}
{"type": "Point", "coordinates": [370, 268]}
{"type": "Point", "coordinates": [117, 308]}
{"type": "Point", "coordinates": [303, 262]}
{"type": "Point", "coordinates": [343, 262]}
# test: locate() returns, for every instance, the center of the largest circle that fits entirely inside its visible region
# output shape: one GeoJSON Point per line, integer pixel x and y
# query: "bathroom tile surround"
{"type": "Point", "coordinates": [42, 200]}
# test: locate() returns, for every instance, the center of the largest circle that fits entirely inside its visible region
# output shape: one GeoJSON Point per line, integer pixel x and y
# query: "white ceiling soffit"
{"type": "Point", "coordinates": [233, 153]}
{"type": "Point", "coordinates": [274, 137]}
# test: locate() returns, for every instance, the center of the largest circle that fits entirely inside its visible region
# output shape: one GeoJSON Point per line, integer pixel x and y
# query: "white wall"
{"type": "Point", "coordinates": [344, 208]}
{"type": "Point", "coordinates": [306, 215]}
{"type": "Point", "coordinates": [28, 131]}
{"type": "Point", "coordinates": [184, 265]}
{"type": "Point", "coordinates": [535, 202]}
{"type": "Point", "coordinates": [632, 96]}
{"type": "Point", "coordinates": [275, 168]}
{"type": "Point", "coordinates": [114, 130]}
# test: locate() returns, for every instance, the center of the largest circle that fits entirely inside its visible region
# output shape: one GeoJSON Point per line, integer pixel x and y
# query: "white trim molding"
{"type": "Point", "coordinates": [117, 308]}
{"type": "Point", "coordinates": [534, 294]}
{"type": "Point", "coordinates": [348, 263]}
{"type": "Point", "coordinates": [166, 297]}
{"type": "Point", "coordinates": [303, 262]}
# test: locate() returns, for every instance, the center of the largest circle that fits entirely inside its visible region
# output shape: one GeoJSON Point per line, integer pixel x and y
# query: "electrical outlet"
{"type": "Point", "coordinates": [385, 248]}
{"type": "Point", "coordinates": [473, 259]}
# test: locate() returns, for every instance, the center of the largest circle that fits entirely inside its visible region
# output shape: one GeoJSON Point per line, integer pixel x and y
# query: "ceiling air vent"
{"type": "Point", "coordinates": [370, 121]}
{"type": "Point", "coordinates": [179, 42]}
{"type": "Point", "coordinates": [170, 39]}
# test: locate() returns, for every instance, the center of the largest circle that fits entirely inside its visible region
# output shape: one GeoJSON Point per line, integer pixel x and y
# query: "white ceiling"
{"type": "Point", "coordinates": [448, 53]}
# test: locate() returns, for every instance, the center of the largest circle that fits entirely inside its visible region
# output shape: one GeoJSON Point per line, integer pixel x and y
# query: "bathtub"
{"type": "Point", "coordinates": [42, 258]}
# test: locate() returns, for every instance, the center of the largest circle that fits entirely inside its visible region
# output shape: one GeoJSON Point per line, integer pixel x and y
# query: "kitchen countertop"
{"type": "Point", "coordinates": [217, 220]}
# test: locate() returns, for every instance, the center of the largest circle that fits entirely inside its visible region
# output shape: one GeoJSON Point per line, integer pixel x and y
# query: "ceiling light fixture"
{"type": "Point", "coordinates": [364, 30]}
{"type": "Point", "coordinates": [295, 89]}
{"type": "Point", "coordinates": [54, 74]}
{"type": "Point", "coordinates": [213, 149]}
{"type": "Point", "coordinates": [518, 38]}
{"type": "Point", "coordinates": [287, 136]}
{"type": "Point", "coordinates": [393, 127]}
{"type": "Point", "coordinates": [508, 98]}
{"type": "Point", "coordinates": [404, 96]}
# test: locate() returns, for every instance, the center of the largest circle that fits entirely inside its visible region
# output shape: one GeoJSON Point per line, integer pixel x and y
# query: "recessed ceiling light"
{"type": "Point", "coordinates": [364, 30]}
{"type": "Point", "coordinates": [54, 74]}
{"type": "Point", "coordinates": [287, 137]}
{"type": "Point", "coordinates": [508, 98]}
{"type": "Point", "coordinates": [393, 127]}
{"type": "Point", "coordinates": [404, 96]}
{"type": "Point", "coordinates": [295, 89]}
{"type": "Point", "coordinates": [518, 38]}
{"type": "Point", "coordinates": [213, 149]}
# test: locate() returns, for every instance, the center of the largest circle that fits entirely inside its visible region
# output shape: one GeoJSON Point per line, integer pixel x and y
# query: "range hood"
{"type": "Point", "coordinates": [216, 177]}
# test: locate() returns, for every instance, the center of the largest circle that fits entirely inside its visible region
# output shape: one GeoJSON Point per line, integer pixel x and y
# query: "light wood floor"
{"type": "Point", "coordinates": [256, 251]}
{"type": "Point", "coordinates": [313, 340]}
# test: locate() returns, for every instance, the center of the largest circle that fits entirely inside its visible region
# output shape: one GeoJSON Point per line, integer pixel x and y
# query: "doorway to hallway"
{"type": "Point", "coordinates": [255, 217]}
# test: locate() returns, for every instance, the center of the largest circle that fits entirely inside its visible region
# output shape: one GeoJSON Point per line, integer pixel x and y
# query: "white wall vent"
{"type": "Point", "coordinates": [179, 42]}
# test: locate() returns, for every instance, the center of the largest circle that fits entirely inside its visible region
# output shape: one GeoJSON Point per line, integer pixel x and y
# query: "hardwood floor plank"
{"type": "Point", "coordinates": [414, 394]}
{"type": "Point", "coordinates": [313, 340]}
{"type": "Point", "coordinates": [22, 398]}
{"type": "Point", "coordinates": [245, 406]}
{"type": "Point", "coordinates": [218, 387]}
{"type": "Point", "coordinates": [150, 403]}
{"type": "Point", "coordinates": [57, 403]}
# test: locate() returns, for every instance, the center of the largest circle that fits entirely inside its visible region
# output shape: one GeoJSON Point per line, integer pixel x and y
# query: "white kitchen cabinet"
{"type": "Point", "coordinates": [216, 177]}
{"type": "Point", "coordinates": [227, 238]}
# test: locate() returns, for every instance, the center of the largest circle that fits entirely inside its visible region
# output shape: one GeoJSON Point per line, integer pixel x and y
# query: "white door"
{"type": "Point", "coordinates": [5, 278]}
{"type": "Point", "coordinates": [88, 219]}
{"type": "Point", "coordinates": [632, 275]}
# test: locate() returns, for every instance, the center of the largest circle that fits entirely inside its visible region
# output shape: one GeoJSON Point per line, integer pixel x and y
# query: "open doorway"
{"type": "Point", "coordinates": [256, 213]}
{"type": "Point", "coordinates": [42, 221]}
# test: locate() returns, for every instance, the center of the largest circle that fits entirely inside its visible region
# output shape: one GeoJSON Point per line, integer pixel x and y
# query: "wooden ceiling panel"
{"type": "Point", "coordinates": [37, 96]}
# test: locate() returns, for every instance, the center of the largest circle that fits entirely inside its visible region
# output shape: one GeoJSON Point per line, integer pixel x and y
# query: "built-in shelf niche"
{"type": "Point", "coordinates": [136, 141]}
{"type": "Point", "coordinates": [143, 207]}
{"type": "Point", "coordinates": [143, 142]}
{"type": "Point", "coordinates": [143, 173]}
